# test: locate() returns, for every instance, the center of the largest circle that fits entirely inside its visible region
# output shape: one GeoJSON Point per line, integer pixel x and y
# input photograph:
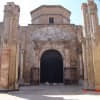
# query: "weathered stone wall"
{"type": "Point", "coordinates": [41, 15]}
{"type": "Point", "coordinates": [40, 38]}
{"type": "Point", "coordinates": [33, 40]}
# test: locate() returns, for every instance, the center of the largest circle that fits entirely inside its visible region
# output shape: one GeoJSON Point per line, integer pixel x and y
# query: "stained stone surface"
{"type": "Point", "coordinates": [52, 33]}
{"type": "Point", "coordinates": [36, 38]}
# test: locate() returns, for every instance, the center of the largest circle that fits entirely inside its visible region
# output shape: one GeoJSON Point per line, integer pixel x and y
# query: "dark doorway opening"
{"type": "Point", "coordinates": [51, 67]}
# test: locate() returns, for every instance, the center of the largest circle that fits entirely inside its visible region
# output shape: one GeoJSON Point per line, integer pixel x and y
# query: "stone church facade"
{"type": "Point", "coordinates": [51, 49]}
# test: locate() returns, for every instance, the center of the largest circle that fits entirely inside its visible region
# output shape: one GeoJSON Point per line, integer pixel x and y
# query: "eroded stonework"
{"type": "Point", "coordinates": [62, 38]}
{"type": "Point", "coordinates": [22, 47]}
{"type": "Point", "coordinates": [35, 39]}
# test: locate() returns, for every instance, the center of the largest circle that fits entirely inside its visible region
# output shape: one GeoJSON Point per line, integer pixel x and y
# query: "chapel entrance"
{"type": "Point", "coordinates": [51, 67]}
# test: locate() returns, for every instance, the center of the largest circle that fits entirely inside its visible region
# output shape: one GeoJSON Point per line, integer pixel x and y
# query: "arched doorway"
{"type": "Point", "coordinates": [51, 67]}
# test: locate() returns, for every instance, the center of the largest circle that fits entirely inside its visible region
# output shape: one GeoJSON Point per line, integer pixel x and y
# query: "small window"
{"type": "Point", "coordinates": [51, 20]}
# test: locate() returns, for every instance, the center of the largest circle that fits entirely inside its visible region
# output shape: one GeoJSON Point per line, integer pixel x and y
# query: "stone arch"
{"type": "Point", "coordinates": [52, 70]}
{"type": "Point", "coordinates": [53, 47]}
{"type": "Point", "coordinates": [43, 46]}
{"type": "Point", "coordinates": [61, 51]}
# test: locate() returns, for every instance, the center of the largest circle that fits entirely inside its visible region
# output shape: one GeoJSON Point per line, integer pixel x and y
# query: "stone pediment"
{"type": "Point", "coordinates": [52, 33]}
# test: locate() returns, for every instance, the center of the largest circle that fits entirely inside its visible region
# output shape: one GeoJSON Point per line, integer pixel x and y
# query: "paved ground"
{"type": "Point", "coordinates": [50, 93]}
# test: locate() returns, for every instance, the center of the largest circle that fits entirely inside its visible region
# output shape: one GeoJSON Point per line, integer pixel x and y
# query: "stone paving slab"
{"type": "Point", "coordinates": [50, 93]}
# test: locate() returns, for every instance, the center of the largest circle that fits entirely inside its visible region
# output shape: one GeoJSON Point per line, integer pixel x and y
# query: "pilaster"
{"type": "Point", "coordinates": [10, 48]}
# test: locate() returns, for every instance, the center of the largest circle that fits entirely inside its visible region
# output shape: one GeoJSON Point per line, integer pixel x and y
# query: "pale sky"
{"type": "Point", "coordinates": [28, 5]}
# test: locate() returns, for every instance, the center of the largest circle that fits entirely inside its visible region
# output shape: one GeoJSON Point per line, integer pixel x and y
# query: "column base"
{"type": "Point", "coordinates": [35, 80]}
{"type": "Point", "coordinates": [21, 82]}
{"type": "Point", "coordinates": [71, 82]}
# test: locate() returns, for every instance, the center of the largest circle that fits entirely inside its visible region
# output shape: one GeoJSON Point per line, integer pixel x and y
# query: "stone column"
{"type": "Point", "coordinates": [67, 74]}
{"type": "Point", "coordinates": [93, 16]}
{"type": "Point", "coordinates": [84, 42]}
{"type": "Point", "coordinates": [4, 70]}
{"type": "Point", "coordinates": [35, 71]}
{"type": "Point", "coordinates": [9, 68]}
{"type": "Point", "coordinates": [81, 65]}
{"type": "Point", "coordinates": [21, 80]}
{"type": "Point", "coordinates": [87, 51]}
{"type": "Point", "coordinates": [13, 67]}
{"type": "Point", "coordinates": [11, 20]}
{"type": "Point", "coordinates": [95, 42]}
